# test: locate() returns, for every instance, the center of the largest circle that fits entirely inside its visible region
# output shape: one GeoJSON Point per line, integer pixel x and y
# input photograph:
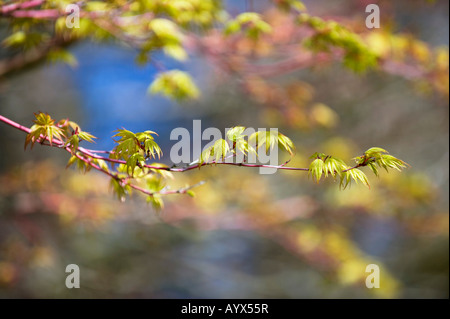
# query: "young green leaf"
{"type": "Point", "coordinates": [175, 84]}
{"type": "Point", "coordinates": [128, 144]}
{"type": "Point", "coordinates": [316, 169]}
{"type": "Point", "coordinates": [285, 143]}
{"type": "Point", "coordinates": [219, 150]}
{"type": "Point", "coordinates": [134, 160]}
{"type": "Point", "coordinates": [156, 201]}
{"type": "Point", "coordinates": [119, 189]}
{"type": "Point", "coordinates": [44, 128]}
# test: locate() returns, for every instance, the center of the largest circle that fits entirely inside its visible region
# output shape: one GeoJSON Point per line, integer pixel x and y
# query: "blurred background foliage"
{"type": "Point", "coordinates": [244, 235]}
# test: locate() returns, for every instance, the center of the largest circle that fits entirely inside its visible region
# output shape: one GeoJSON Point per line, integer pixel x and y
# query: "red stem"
{"type": "Point", "coordinates": [89, 153]}
{"type": "Point", "coordinates": [37, 14]}
{"type": "Point", "coordinates": [14, 124]}
{"type": "Point", "coordinates": [86, 160]}
{"type": "Point", "coordinates": [24, 5]}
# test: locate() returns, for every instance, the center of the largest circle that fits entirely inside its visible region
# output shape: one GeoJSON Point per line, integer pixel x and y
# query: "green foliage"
{"type": "Point", "coordinates": [219, 150]}
{"type": "Point", "coordinates": [172, 26]}
{"type": "Point", "coordinates": [149, 26]}
{"type": "Point", "coordinates": [82, 163]}
{"type": "Point", "coordinates": [325, 165]}
{"type": "Point", "coordinates": [175, 84]}
{"type": "Point", "coordinates": [316, 169]}
{"type": "Point", "coordinates": [134, 148]}
{"type": "Point", "coordinates": [252, 23]}
{"type": "Point", "coordinates": [289, 5]}
{"type": "Point", "coordinates": [24, 40]}
{"type": "Point", "coordinates": [156, 201]}
{"type": "Point", "coordinates": [16, 39]}
{"type": "Point", "coordinates": [121, 190]}
{"type": "Point", "coordinates": [236, 136]}
{"type": "Point", "coordinates": [160, 169]}
{"type": "Point", "coordinates": [155, 183]}
{"type": "Point", "coordinates": [74, 134]}
{"type": "Point", "coordinates": [377, 156]}
{"type": "Point", "coordinates": [97, 6]}
{"type": "Point", "coordinates": [270, 139]}
{"type": "Point", "coordinates": [43, 128]}
{"type": "Point", "coordinates": [186, 13]}
{"type": "Point", "coordinates": [134, 160]}
{"type": "Point", "coordinates": [128, 144]}
{"type": "Point", "coordinates": [166, 28]}
{"type": "Point", "coordinates": [330, 34]}
{"type": "Point", "coordinates": [151, 148]}
{"type": "Point", "coordinates": [286, 144]}
{"type": "Point", "coordinates": [236, 141]}
{"type": "Point", "coordinates": [355, 174]}
{"type": "Point", "coordinates": [65, 131]}
{"type": "Point", "coordinates": [267, 138]}
{"type": "Point", "coordinates": [167, 36]}
{"type": "Point", "coordinates": [61, 55]}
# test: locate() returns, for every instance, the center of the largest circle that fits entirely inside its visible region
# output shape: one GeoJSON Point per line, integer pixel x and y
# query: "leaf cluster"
{"type": "Point", "coordinates": [238, 141]}
{"type": "Point", "coordinates": [329, 34]}
{"type": "Point", "coordinates": [175, 84]}
{"type": "Point", "coordinates": [326, 165]}
{"type": "Point", "coordinates": [250, 22]}
{"type": "Point", "coordinates": [65, 131]}
{"type": "Point", "coordinates": [135, 148]}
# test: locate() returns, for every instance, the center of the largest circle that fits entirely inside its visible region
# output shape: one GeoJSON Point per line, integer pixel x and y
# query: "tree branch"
{"type": "Point", "coordinates": [21, 61]}
{"type": "Point", "coordinates": [23, 5]}
{"type": "Point", "coordinates": [59, 144]}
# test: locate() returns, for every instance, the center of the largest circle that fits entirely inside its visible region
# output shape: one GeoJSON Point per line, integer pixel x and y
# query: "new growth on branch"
{"type": "Point", "coordinates": [129, 167]}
